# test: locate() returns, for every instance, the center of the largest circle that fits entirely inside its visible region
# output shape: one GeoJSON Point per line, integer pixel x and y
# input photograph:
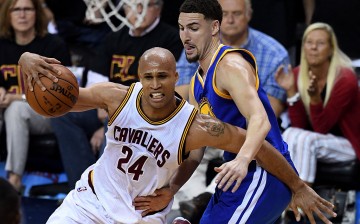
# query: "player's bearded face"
{"type": "Point", "coordinates": [193, 57]}
{"type": "Point", "coordinates": [195, 34]}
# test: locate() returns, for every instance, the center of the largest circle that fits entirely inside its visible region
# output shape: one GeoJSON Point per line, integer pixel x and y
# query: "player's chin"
{"type": "Point", "coordinates": [157, 105]}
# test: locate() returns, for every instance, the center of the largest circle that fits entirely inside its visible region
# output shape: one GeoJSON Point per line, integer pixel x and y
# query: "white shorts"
{"type": "Point", "coordinates": [82, 206]}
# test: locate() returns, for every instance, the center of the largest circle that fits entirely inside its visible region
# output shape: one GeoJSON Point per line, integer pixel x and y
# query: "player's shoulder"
{"type": "Point", "coordinates": [111, 89]}
{"type": "Point", "coordinates": [233, 60]}
{"type": "Point", "coordinates": [112, 94]}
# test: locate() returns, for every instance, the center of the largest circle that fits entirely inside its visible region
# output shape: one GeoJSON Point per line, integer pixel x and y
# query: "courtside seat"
{"type": "Point", "coordinates": [342, 175]}
{"type": "Point", "coordinates": [44, 155]}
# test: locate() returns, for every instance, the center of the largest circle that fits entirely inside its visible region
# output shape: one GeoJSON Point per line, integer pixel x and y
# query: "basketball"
{"type": "Point", "coordinates": [58, 98]}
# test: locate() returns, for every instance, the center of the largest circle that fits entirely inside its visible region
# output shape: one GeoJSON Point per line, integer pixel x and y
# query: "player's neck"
{"type": "Point", "coordinates": [208, 56]}
{"type": "Point", "coordinates": [157, 114]}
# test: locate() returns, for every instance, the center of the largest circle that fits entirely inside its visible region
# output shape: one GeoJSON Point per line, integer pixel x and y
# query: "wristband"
{"type": "Point", "coordinates": [23, 97]}
{"type": "Point", "coordinates": [293, 99]}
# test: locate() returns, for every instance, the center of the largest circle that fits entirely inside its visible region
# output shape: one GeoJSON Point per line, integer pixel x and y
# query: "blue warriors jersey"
{"type": "Point", "coordinates": [220, 105]}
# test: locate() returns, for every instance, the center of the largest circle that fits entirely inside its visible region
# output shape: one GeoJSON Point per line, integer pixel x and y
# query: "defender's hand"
{"type": "Point", "coordinates": [154, 203]}
{"type": "Point", "coordinates": [309, 202]}
{"type": "Point", "coordinates": [231, 171]}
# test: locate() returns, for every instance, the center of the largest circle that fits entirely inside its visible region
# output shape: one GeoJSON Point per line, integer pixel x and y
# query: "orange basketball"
{"type": "Point", "coordinates": [58, 98]}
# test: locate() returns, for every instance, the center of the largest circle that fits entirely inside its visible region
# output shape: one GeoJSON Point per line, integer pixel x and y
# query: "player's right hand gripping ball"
{"type": "Point", "coordinates": [58, 98]}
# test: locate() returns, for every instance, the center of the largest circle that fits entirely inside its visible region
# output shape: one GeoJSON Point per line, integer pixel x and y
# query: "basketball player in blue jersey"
{"type": "Point", "coordinates": [151, 136]}
{"type": "Point", "coordinates": [227, 87]}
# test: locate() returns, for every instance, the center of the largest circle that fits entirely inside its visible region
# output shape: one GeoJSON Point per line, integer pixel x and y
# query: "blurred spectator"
{"type": "Point", "coordinates": [9, 203]}
{"type": "Point", "coordinates": [72, 25]}
{"type": "Point", "coordinates": [23, 27]}
{"type": "Point", "coordinates": [186, 71]}
{"type": "Point", "coordinates": [269, 53]}
{"type": "Point", "coordinates": [80, 34]}
{"type": "Point", "coordinates": [120, 51]}
{"type": "Point", "coordinates": [324, 104]}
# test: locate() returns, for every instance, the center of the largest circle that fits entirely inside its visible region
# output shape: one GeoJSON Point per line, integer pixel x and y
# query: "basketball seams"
{"type": "Point", "coordinates": [40, 105]}
{"type": "Point", "coordinates": [58, 99]}
{"type": "Point", "coordinates": [65, 70]}
{"type": "Point", "coordinates": [33, 97]}
{"type": "Point", "coordinates": [76, 89]}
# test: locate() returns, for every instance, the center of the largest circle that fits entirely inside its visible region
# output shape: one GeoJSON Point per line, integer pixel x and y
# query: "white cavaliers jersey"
{"type": "Point", "coordinates": [141, 155]}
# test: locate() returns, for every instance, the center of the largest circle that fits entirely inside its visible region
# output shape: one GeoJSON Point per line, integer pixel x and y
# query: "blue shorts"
{"type": "Point", "coordinates": [260, 199]}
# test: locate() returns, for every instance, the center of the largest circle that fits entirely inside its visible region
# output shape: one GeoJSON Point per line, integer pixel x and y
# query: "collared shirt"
{"type": "Point", "coordinates": [150, 28]}
{"type": "Point", "coordinates": [269, 55]}
{"type": "Point", "coordinates": [185, 69]}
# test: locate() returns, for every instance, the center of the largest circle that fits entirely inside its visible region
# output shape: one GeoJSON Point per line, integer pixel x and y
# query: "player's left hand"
{"type": "Point", "coordinates": [309, 202]}
{"type": "Point", "coordinates": [231, 171]}
{"type": "Point", "coordinates": [33, 64]}
{"type": "Point", "coordinates": [153, 203]}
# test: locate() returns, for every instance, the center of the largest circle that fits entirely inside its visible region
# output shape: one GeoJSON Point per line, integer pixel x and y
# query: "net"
{"type": "Point", "coordinates": [112, 12]}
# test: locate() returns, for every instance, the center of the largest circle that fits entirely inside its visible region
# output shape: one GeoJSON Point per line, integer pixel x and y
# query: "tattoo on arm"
{"type": "Point", "coordinates": [215, 128]}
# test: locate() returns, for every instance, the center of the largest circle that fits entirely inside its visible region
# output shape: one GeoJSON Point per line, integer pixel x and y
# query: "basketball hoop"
{"type": "Point", "coordinates": [110, 11]}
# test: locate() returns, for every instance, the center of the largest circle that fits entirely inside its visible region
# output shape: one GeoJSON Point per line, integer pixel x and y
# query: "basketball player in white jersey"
{"type": "Point", "coordinates": [150, 133]}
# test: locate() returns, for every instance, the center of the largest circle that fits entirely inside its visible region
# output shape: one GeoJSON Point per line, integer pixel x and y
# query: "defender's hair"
{"type": "Point", "coordinates": [211, 9]}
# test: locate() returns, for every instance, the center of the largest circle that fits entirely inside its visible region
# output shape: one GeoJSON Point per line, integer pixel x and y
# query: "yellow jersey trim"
{"type": "Point", "coordinates": [143, 115]}
{"type": "Point", "coordinates": [181, 150]}
{"type": "Point", "coordinates": [121, 106]}
{"type": "Point", "coordinates": [225, 95]}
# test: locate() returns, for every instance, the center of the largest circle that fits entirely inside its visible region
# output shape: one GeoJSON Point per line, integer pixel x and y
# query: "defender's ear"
{"type": "Point", "coordinates": [215, 27]}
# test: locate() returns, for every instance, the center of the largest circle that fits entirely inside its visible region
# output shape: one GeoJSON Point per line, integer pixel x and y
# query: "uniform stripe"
{"type": "Point", "coordinates": [243, 53]}
{"type": "Point", "coordinates": [253, 193]}
{"type": "Point", "coordinates": [121, 106]}
{"type": "Point", "coordinates": [181, 149]}
{"type": "Point", "coordinates": [143, 115]}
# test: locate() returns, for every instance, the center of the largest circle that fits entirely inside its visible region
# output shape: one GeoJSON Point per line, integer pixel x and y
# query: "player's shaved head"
{"type": "Point", "coordinates": [157, 56]}
{"type": "Point", "coordinates": [158, 76]}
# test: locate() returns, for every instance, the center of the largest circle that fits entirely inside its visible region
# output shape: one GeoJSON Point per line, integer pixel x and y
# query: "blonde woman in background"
{"type": "Point", "coordinates": [323, 103]}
